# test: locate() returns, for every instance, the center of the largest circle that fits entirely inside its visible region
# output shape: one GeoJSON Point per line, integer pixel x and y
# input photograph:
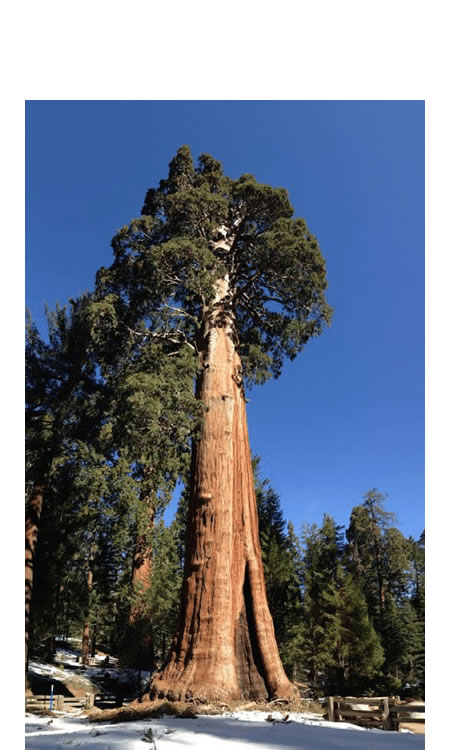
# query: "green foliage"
{"type": "Point", "coordinates": [330, 632]}
{"type": "Point", "coordinates": [280, 554]}
{"type": "Point", "coordinates": [392, 574]}
{"type": "Point", "coordinates": [165, 590]}
{"type": "Point", "coordinates": [111, 416]}
{"type": "Point", "coordinates": [168, 260]}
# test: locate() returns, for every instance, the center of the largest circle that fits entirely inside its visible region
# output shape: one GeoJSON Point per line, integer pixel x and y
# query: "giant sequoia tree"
{"type": "Point", "coordinates": [219, 268]}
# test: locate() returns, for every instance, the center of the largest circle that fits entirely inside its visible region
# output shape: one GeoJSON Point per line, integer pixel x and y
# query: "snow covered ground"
{"type": "Point", "coordinates": [85, 678]}
{"type": "Point", "coordinates": [303, 732]}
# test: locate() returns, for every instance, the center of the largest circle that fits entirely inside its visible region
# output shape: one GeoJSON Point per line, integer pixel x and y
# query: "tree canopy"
{"type": "Point", "coordinates": [168, 259]}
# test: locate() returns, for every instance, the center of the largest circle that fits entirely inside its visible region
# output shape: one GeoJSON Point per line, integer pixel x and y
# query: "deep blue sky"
{"type": "Point", "coordinates": [348, 414]}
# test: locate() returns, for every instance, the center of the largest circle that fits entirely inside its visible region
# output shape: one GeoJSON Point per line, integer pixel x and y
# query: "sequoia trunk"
{"type": "Point", "coordinates": [87, 616]}
{"type": "Point", "coordinates": [137, 647]}
{"type": "Point", "coordinates": [224, 647]}
{"type": "Point", "coordinates": [31, 533]}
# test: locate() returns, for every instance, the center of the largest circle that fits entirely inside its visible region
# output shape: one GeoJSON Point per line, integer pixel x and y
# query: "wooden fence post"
{"type": "Point", "coordinates": [59, 703]}
{"type": "Point", "coordinates": [386, 717]}
{"type": "Point", "coordinates": [330, 708]}
{"type": "Point", "coordinates": [90, 697]}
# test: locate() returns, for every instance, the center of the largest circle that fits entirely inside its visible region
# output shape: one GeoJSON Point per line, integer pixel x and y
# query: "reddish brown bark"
{"type": "Point", "coordinates": [225, 646]}
{"type": "Point", "coordinates": [142, 564]}
{"type": "Point", "coordinates": [87, 615]}
{"type": "Point", "coordinates": [31, 535]}
{"type": "Point", "coordinates": [137, 647]}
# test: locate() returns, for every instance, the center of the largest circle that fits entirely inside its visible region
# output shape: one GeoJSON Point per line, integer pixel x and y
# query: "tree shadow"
{"type": "Point", "coordinates": [294, 735]}
{"type": "Point", "coordinates": [41, 685]}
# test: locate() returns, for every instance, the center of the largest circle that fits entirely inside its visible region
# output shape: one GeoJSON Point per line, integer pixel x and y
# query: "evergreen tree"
{"type": "Point", "coordinates": [417, 556]}
{"type": "Point", "coordinates": [366, 536]}
{"type": "Point", "coordinates": [359, 654]}
{"type": "Point", "coordinates": [62, 396]}
{"type": "Point", "coordinates": [341, 649]}
{"type": "Point", "coordinates": [322, 577]}
{"type": "Point", "coordinates": [166, 586]}
{"type": "Point", "coordinates": [153, 416]}
{"type": "Point", "coordinates": [417, 577]}
{"type": "Point", "coordinates": [280, 551]}
{"type": "Point", "coordinates": [218, 269]}
{"type": "Point", "coordinates": [381, 556]}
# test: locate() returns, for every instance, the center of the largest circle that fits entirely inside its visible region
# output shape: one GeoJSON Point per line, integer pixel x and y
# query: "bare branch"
{"type": "Point", "coordinates": [178, 311]}
{"type": "Point", "coordinates": [180, 339]}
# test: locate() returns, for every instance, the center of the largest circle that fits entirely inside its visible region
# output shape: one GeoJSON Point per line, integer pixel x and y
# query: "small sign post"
{"type": "Point", "coordinates": [51, 696]}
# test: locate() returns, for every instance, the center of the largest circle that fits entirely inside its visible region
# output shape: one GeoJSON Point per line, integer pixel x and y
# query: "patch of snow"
{"type": "Point", "coordinates": [44, 669]}
{"type": "Point", "coordinates": [303, 732]}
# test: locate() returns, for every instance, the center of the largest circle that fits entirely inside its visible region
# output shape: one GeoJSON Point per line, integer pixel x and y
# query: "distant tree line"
{"type": "Point", "coordinates": [348, 605]}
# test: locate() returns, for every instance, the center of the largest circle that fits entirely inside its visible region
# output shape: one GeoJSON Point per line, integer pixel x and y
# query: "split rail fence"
{"type": "Point", "coordinates": [376, 712]}
{"type": "Point", "coordinates": [59, 702]}
{"type": "Point", "coordinates": [69, 703]}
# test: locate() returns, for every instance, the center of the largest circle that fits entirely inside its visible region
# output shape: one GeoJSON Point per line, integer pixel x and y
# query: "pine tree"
{"type": "Point", "coordinates": [166, 585]}
{"type": "Point", "coordinates": [417, 556]}
{"type": "Point", "coordinates": [153, 415]}
{"type": "Point", "coordinates": [321, 603]}
{"type": "Point", "coordinates": [220, 269]}
{"type": "Point", "coordinates": [368, 523]}
{"type": "Point", "coordinates": [62, 395]}
{"type": "Point", "coordinates": [381, 556]}
{"type": "Point", "coordinates": [360, 654]}
{"type": "Point", "coordinates": [280, 560]}
{"type": "Point", "coordinates": [341, 649]}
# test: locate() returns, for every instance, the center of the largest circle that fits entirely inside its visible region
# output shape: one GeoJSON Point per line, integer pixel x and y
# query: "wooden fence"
{"type": "Point", "coordinates": [407, 713]}
{"type": "Point", "coordinates": [69, 703]}
{"type": "Point", "coordinates": [374, 712]}
{"type": "Point", "coordinates": [111, 700]}
{"type": "Point", "coordinates": [99, 661]}
{"type": "Point", "coordinates": [59, 702]}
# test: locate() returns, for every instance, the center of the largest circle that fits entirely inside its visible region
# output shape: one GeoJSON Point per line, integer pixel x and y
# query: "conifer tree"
{"type": "Point", "coordinates": [62, 396]}
{"type": "Point", "coordinates": [417, 557]}
{"type": "Point", "coordinates": [166, 586]}
{"type": "Point", "coordinates": [341, 648]}
{"type": "Point", "coordinates": [219, 269]}
{"type": "Point", "coordinates": [366, 536]}
{"type": "Point", "coordinates": [381, 556]}
{"type": "Point", "coordinates": [322, 576]}
{"type": "Point", "coordinates": [153, 415]}
{"type": "Point", "coordinates": [280, 555]}
{"type": "Point", "coordinates": [359, 654]}
{"type": "Point", "coordinates": [417, 599]}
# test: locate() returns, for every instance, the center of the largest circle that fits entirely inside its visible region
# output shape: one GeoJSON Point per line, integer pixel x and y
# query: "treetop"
{"type": "Point", "coordinates": [199, 226]}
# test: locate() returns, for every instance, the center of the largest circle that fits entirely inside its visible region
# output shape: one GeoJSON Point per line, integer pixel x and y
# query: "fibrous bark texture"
{"type": "Point", "coordinates": [224, 647]}
{"type": "Point", "coordinates": [137, 647]}
{"type": "Point", "coordinates": [31, 534]}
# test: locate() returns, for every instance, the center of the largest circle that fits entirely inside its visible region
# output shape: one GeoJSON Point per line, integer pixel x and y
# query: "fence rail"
{"type": "Point", "coordinates": [111, 700]}
{"type": "Point", "coordinates": [59, 702]}
{"type": "Point", "coordinates": [376, 711]}
{"type": "Point", "coordinates": [102, 661]}
{"type": "Point", "coordinates": [64, 703]}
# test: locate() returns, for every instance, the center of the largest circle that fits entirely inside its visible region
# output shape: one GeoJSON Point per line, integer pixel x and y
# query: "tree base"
{"type": "Point", "coordinates": [205, 692]}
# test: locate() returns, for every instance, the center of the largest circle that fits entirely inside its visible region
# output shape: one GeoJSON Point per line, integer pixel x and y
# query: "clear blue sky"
{"type": "Point", "coordinates": [348, 414]}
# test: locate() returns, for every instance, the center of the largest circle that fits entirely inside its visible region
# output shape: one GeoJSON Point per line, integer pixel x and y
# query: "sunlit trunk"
{"type": "Point", "coordinates": [225, 644]}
